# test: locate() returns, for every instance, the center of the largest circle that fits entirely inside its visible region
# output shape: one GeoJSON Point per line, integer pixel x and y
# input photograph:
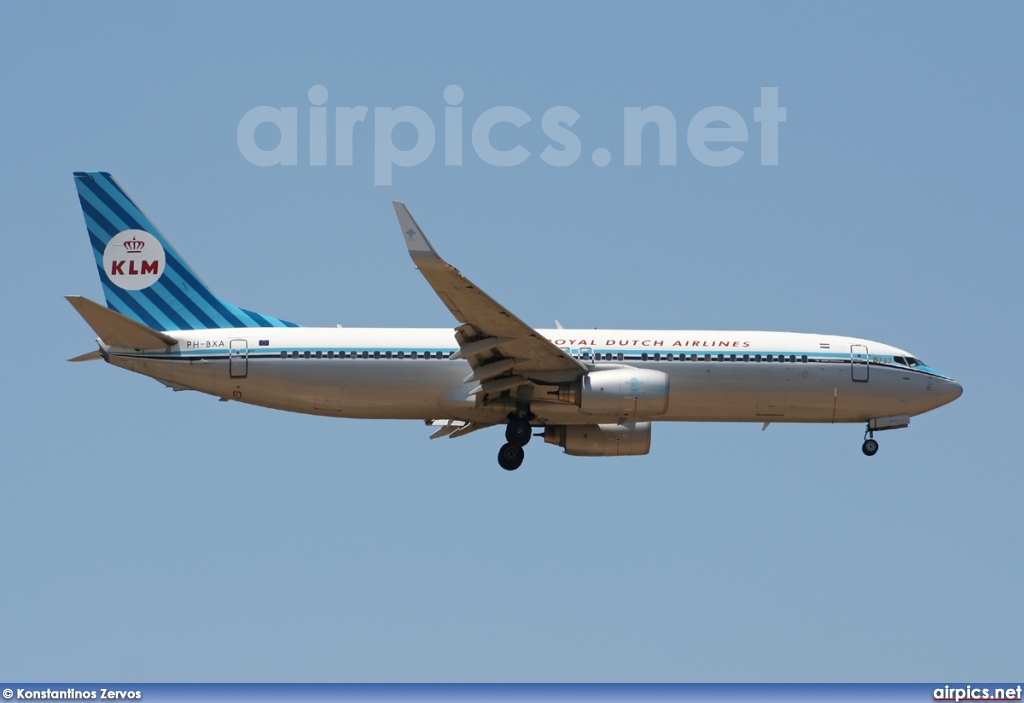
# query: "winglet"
{"type": "Point", "coordinates": [418, 245]}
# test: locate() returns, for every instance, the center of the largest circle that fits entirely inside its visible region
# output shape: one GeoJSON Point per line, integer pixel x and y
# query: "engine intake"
{"type": "Point", "coordinates": [620, 392]}
{"type": "Point", "coordinates": [623, 439]}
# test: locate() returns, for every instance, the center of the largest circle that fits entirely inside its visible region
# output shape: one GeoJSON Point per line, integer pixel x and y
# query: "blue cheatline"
{"type": "Point", "coordinates": [178, 300]}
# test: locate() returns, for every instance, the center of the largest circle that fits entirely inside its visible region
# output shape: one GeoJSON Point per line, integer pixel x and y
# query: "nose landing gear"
{"type": "Point", "coordinates": [870, 446]}
{"type": "Point", "coordinates": [892, 422]}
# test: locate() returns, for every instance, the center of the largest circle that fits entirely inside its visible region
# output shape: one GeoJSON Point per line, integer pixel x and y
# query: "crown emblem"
{"type": "Point", "coordinates": [134, 246]}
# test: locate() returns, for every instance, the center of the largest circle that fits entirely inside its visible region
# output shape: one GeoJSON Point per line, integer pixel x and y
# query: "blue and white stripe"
{"type": "Point", "coordinates": [178, 300]}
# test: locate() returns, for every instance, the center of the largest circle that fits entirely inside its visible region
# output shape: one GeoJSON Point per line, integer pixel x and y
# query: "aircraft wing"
{"type": "Point", "coordinates": [503, 351]}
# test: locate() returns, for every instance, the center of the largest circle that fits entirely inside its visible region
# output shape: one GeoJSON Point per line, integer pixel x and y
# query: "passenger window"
{"type": "Point", "coordinates": [746, 357]}
{"type": "Point", "coordinates": [693, 357]}
{"type": "Point", "coordinates": [803, 359]}
{"type": "Point", "coordinates": [401, 355]}
{"type": "Point", "coordinates": [643, 357]}
{"type": "Point", "coordinates": [707, 357]}
{"type": "Point", "coordinates": [621, 356]}
{"type": "Point", "coordinates": [414, 355]}
{"type": "Point", "coordinates": [757, 357]}
{"type": "Point", "coordinates": [305, 354]}
{"type": "Point", "coordinates": [376, 355]}
{"type": "Point", "coordinates": [295, 355]}
{"type": "Point", "coordinates": [668, 357]}
{"type": "Point", "coordinates": [319, 355]}
{"type": "Point", "coordinates": [721, 357]}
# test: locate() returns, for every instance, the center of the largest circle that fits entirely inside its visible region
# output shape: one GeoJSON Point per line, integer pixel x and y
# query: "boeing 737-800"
{"type": "Point", "coordinates": [591, 392]}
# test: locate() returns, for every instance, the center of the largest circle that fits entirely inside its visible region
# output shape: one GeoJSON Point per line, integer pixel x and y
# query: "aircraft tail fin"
{"type": "Point", "coordinates": [143, 277]}
{"type": "Point", "coordinates": [116, 329]}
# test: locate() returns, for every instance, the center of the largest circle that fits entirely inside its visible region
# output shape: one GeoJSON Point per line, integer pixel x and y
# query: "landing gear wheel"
{"type": "Point", "coordinates": [510, 457]}
{"type": "Point", "coordinates": [870, 447]}
{"type": "Point", "coordinates": [518, 433]}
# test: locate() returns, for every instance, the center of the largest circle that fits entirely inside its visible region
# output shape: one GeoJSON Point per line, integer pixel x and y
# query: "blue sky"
{"type": "Point", "coordinates": [147, 535]}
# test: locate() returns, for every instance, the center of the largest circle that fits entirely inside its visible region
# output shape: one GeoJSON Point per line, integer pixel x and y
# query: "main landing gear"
{"type": "Point", "coordinates": [518, 433]}
{"type": "Point", "coordinates": [870, 446]}
{"type": "Point", "coordinates": [510, 457]}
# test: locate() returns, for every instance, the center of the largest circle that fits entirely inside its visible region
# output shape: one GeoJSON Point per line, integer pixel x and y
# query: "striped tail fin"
{"type": "Point", "coordinates": [143, 277]}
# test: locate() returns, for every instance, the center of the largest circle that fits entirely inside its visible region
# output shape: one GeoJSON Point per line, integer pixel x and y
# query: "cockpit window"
{"type": "Point", "coordinates": [912, 362]}
{"type": "Point", "coordinates": [900, 360]}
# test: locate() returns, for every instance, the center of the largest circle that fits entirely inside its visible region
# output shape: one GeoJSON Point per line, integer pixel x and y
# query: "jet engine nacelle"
{"type": "Point", "coordinates": [624, 439]}
{"type": "Point", "coordinates": [620, 392]}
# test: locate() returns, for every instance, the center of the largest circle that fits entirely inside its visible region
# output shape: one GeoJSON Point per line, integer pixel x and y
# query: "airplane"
{"type": "Point", "coordinates": [592, 392]}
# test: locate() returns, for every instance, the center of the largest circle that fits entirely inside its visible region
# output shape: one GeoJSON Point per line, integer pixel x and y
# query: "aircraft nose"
{"type": "Point", "coordinates": [950, 390]}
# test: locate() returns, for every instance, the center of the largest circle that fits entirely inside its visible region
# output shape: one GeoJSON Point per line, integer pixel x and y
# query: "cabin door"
{"type": "Point", "coordinates": [859, 362]}
{"type": "Point", "coordinates": [238, 358]}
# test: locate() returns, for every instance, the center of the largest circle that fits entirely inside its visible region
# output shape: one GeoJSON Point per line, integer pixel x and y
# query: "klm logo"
{"type": "Point", "coordinates": [133, 259]}
{"type": "Point", "coordinates": [135, 268]}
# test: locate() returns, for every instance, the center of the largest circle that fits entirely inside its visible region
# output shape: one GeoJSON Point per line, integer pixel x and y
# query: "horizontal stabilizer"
{"type": "Point", "coordinates": [117, 330]}
{"type": "Point", "coordinates": [88, 356]}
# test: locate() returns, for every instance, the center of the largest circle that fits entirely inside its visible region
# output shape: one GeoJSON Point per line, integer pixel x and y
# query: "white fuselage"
{"type": "Point", "coordinates": [406, 374]}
